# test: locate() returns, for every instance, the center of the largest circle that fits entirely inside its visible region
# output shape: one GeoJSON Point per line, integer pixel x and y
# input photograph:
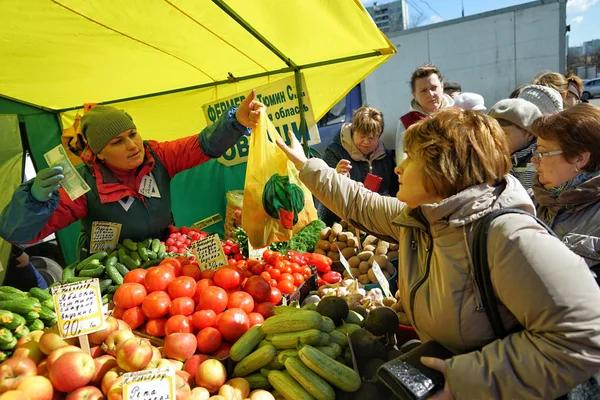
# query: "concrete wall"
{"type": "Point", "coordinates": [489, 54]}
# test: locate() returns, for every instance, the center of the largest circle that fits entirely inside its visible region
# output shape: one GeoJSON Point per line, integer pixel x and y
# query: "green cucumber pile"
{"type": "Point", "coordinates": [110, 268]}
{"type": "Point", "coordinates": [23, 312]}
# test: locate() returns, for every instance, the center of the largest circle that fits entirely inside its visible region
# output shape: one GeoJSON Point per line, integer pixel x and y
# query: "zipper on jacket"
{"type": "Point", "coordinates": [425, 276]}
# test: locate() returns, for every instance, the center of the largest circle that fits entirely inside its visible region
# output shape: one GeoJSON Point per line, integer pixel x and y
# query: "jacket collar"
{"type": "Point", "coordinates": [466, 206]}
{"type": "Point", "coordinates": [575, 199]}
{"type": "Point", "coordinates": [348, 144]}
{"type": "Point", "coordinates": [447, 102]}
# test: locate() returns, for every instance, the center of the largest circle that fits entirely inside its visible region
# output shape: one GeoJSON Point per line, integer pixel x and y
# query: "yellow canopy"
{"type": "Point", "coordinates": [161, 60]}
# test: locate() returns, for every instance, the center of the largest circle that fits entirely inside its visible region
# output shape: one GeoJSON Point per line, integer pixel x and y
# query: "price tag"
{"type": "Point", "coordinates": [255, 253]}
{"type": "Point", "coordinates": [345, 263]}
{"type": "Point", "coordinates": [213, 219]}
{"type": "Point", "coordinates": [78, 308]}
{"type": "Point", "coordinates": [209, 252]}
{"type": "Point", "coordinates": [385, 285]}
{"type": "Point", "coordinates": [104, 236]}
{"type": "Point", "coordinates": [157, 383]}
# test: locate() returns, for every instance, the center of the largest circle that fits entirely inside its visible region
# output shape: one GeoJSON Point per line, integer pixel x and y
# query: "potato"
{"type": "Point", "coordinates": [354, 261]}
{"type": "Point", "coordinates": [365, 255]}
{"type": "Point", "coordinates": [369, 240]}
{"type": "Point", "coordinates": [355, 272]}
{"type": "Point", "coordinates": [387, 276]}
{"type": "Point", "coordinates": [349, 252]}
{"type": "Point", "coordinates": [381, 260]}
{"type": "Point", "coordinates": [352, 242]}
{"type": "Point", "coordinates": [320, 251]}
{"type": "Point", "coordinates": [390, 268]}
{"type": "Point", "coordinates": [372, 276]}
{"type": "Point", "coordinates": [344, 236]}
{"type": "Point", "coordinates": [396, 306]}
{"type": "Point", "coordinates": [337, 266]}
{"type": "Point", "coordinates": [364, 267]}
{"type": "Point", "coordinates": [334, 255]}
{"type": "Point", "coordinates": [324, 234]}
{"type": "Point", "coordinates": [323, 244]}
{"type": "Point", "coordinates": [338, 245]}
{"type": "Point", "coordinates": [392, 254]}
{"type": "Point", "coordinates": [332, 237]}
{"type": "Point", "coordinates": [364, 279]}
{"type": "Point", "coordinates": [336, 228]}
{"type": "Point", "coordinates": [369, 247]}
{"type": "Point", "coordinates": [346, 275]}
{"type": "Point", "coordinates": [389, 301]}
{"type": "Point", "coordinates": [382, 247]}
{"type": "Point", "coordinates": [393, 247]}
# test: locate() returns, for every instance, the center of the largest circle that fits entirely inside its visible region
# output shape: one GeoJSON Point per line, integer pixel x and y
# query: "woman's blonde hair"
{"type": "Point", "coordinates": [459, 149]}
{"type": "Point", "coordinates": [552, 79]}
{"type": "Point", "coordinates": [368, 121]}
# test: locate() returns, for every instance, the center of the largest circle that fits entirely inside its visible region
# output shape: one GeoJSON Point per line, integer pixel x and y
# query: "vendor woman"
{"type": "Point", "coordinates": [129, 178]}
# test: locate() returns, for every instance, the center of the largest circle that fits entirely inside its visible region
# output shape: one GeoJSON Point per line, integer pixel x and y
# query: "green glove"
{"type": "Point", "coordinates": [46, 183]}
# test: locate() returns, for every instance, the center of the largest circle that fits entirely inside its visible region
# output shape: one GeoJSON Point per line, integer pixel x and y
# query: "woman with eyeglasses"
{"type": "Point", "coordinates": [456, 172]}
{"type": "Point", "coordinates": [359, 154]}
{"type": "Point", "coordinates": [567, 184]}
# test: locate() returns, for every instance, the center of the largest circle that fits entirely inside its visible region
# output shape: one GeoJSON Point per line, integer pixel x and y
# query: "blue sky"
{"type": "Point", "coordinates": [582, 15]}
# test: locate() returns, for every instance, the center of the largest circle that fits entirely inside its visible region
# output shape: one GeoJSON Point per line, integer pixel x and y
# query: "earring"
{"type": "Point", "coordinates": [576, 169]}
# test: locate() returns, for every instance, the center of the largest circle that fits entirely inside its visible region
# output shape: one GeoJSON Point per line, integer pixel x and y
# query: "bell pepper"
{"type": "Point", "coordinates": [332, 277]}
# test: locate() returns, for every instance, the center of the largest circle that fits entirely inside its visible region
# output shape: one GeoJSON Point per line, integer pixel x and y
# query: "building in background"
{"type": "Point", "coordinates": [390, 17]}
{"type": "Point", "coordinates": [591, 46]}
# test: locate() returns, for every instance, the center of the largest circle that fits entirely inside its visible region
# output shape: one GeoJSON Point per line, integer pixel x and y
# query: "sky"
{"type": "Point", "coordinates": [582, 15]}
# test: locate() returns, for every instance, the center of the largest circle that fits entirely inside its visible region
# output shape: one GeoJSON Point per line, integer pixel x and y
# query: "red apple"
{"type": "Point", "coordinates": [114, 340]}
{"type": "Point", "coordinates": [182, 388]}
{"type": "Point", "coordinates": [180, 346]}
{"type": "Point", "coordinates": [134, 354]}
{"type": "Point", "coordinates": [14, 395]}
{"type": "Point", "coordinates": [14, 371]}
{"type": "Point", "coordinates": [86, 393]}
{"type": "Point", "coordinates": [211, 374]}
{"type": "Point", "coordinates": [111, 325]}
{"type": "Point", "coordinates": [51, 341]}
{"type": "Point", "coordinates": [191, 364]}
{"type": "Point", "coordinates": [102, 365]}
{"type": "Point", "coordinates": [240, 386]}
{"type": "Point", "coordinates": [33, 336]}
{"type": "Point", "coordinates": [116, 390]}
{"type": "Point", "coordinates": [200, 393]}
{"type": "Point", "coordinates": [30, 349]}
{"type": "Point", "coordinates": [187, 377]}
{"type": "Point", "coordinates": [97, 351]}
{"type": "Point", "coordinates": [37, 388]}
{"type": "Point", "coordinates": [123, 326]}
{"type": "Point", "coordinates": [42, 368]}
{"type": "Point", "coordinates": [72, 371]}
{"type": "Point", "coordinates": [55, 354]}
{"type": "Point", "coordinates": [109, 379]}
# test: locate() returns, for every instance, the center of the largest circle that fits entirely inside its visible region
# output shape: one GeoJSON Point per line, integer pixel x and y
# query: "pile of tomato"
{"type": "Point", "coordinates": [175, 296]}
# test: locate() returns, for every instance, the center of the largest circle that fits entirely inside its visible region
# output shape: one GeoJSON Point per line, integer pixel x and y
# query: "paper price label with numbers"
{"type": "Point", "coordinates": [78, 308]}
{"type": "Point", "coordinates": [383, 282]}
{"type": "Point", "coordinates": [213, 219]}
{"type": "Point", "coordinates": [104, 236]}
{"type": "Point", "coordinates": [209, 253]}
{"type": "Point", "coordinates": [151, 384]}
{"type": "Point", "coordinates": [345, 263]}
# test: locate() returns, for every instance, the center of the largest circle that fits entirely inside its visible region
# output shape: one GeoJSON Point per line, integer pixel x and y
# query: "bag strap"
{"type": "Point", "coordinates": [481, 271]}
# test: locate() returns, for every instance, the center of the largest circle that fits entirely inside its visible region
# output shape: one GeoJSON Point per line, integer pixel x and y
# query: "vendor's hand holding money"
{"type": "Point", "coordinates": [46, 182]}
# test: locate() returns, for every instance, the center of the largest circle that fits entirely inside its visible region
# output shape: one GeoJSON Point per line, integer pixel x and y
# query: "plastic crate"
{"type": "Point", "coordinates": [303, 290]}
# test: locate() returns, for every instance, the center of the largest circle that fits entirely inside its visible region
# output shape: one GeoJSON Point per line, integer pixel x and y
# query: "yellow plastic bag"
{"type": "Point", "coordinates": [276, 203]}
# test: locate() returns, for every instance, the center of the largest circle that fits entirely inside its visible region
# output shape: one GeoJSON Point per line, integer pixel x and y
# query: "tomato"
{"type": "Point", "coordinates": [233, 324]}
{"type": "Point", "coordinates": [135, 276]}
{"type": "Point", "coordinates": [258, 288]}
{"type": "Point", "coordinates": [192, 271]}
{"type": "Point", "coordinates": [241, 300]}
{"type": "Point", "coordinates": [267, 254]}
{"type": "Point", "coordinates": [183, 286]}
{"type": "Point", "coordinates": [231, 262]}
{"type": "Point", "coordinates": [296, 268]}
{"type": "Point", "coordinates": [129, 295]}
{"type": "Point", "coordinates": [275, 273]}
{"type": "Point", "coordinates": [213, 298]}
{"type": "Point", "coordinates": [307, 271]}
{"type": "Point", "coordinates": [156, 327]}
{"type": "Point", "coordinates": [323, 263]}
{"type": "Point", "coordinates": [273, 282]}
{"type": "Point", "coordinates": [286, 277]}
{"type": "Point", "coordinates": [118, 312]}
{"type": "Point", "coordinates": [274, 258]}
{"type": "Point", "coordinates": [286, 287]}
{"type": "Point", "coordinates": [208, 274]}
{"type": "Point", "coordinates": [158, 278]}
{"type": "Point", "coordinates": [203, 319]}
{"type": "Point", "coordinates": [265, 275]}
{"type": "Point", "coordinates": [183, 260]}
{"type": "Point", "coordinates": [134, 317]}
{"type": "Point", "coordinates": [298, 279]}
{"type": "Point", "coordinates": [174, 262]}
{"type": "Point", "coordinates": [201, 285]}
{"type": "Point", "coordinates": [223, 351]}
{"type": "Point", "coordinates": [265, 309]}
{"type": "Point", "coordinates": [209, 340]}
{"type": "Point", "coordinates": [275, 296]}
{"type": "Point", "coordinates": [178, 323]}
{"type": "Point", "coordinates": [243, 264]}
{"type": "Point", "coordinates": [228, 277]}
{"type": "Point", "coordinates": [257, 268]}
{"type": "Point", "coordinates": [182, 306]}
{"type": "Point", "coordinates": [286, 270]}
{"type": "Point", "coordinates": [247, 274]}
{"type": "Point", "coordinates": [255, 319]}
{"type": "Point", "coordinates": [332, 277]}
{"type": "Point", "coordinates": [279, 264]}
{"type": "Point", "coordinates": [156, 305]}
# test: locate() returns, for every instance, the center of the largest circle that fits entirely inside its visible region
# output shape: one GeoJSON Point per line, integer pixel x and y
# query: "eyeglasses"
{"type": "Point", "coordinates": [537, 156]}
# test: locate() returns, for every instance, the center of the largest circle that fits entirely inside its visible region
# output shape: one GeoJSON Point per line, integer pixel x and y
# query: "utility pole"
{"type": "Point", "coordinates": [462, 2]}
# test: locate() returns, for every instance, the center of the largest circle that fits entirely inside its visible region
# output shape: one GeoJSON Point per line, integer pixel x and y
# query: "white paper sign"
{"type": "Point", "coordinates": [385, 285]}
{"type": "Point", "coordinates": [154, 384]}
{"type": "Point", "coordinates": [104, 236]}
{"type": "Point", "coordinates": [78, 308]}
{"type": "Point", "coordinates": [345, 263]}
{"type": "Point", "coordinates": [209, 253]}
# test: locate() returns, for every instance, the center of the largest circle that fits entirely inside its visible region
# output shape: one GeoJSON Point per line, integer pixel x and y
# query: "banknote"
{"type": "Point", "coordinates": [73, 183]}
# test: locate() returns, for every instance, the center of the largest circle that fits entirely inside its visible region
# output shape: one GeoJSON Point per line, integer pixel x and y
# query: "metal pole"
{"type": "Point", "coordinates": [303, 126]}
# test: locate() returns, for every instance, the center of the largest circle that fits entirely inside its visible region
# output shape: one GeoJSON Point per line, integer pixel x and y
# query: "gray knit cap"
{"type": "Point", "coordinates": [547, 99]}
{"type": "Point", "coordinates": [102, 124]}
{"type": "Point", "coordinates": [518, 112]}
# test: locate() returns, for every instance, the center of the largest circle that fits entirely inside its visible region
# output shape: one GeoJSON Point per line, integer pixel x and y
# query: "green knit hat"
{"type": "Point", "coordinates": [102, 124]}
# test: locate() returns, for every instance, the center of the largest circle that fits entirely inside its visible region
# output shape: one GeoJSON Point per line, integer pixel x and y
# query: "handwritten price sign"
{"type": "Point", "coordinates": [78, 308]}
{"type": "Point", "coordinates": [209, 252]}
{"type": "Point", "coordinates": [157, 383]}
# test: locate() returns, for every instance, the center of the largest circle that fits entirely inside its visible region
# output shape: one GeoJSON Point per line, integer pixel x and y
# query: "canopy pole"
{"type": "Point", "coordinates": [303, 125]}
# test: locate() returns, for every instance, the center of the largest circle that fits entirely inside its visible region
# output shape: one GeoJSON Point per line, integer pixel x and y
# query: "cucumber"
{"type": "Point", "coordinates": [75, 279]}
{"type": "Point", "coordinates": [13, 290]}
{"type": "Point", "coordinates": [129, 263]}
{"type": "Point", "coordinates": [21, 331]}
{"type": "Point", "coordinates": [92, 273]}
{"type": "Point", "coordinates": [40, 294]}
{"type": "Point", "coordinates": [6, 336]}
{"type": "Point", "coordinates": [143, 252]}
{"type": "Point", "coordinates": [11, 345]}
{"type": "Point", "coordinates": [122, 269]}
{"type": "Point", "coordinates": [144, 244]}
{"type": "Point", "coordinates": [6, 317]}
{"type": "Point", "coordinates": [113, 274]}
{"type": "Point", "coordinates": [10, 296]}
{"type": "Point", "coordinates": [151, 255]}
{"type": "Point", "coordinates": [257, 381]}
{"type": "Point", "coordinates": [327, 325]}
{"type": "Point", "coordinates": [21, 306]}
{"type": "Point", "coordinates": [31, 316]}
{"type": "Point", "coordinates": [155, 245]}
{"type": "Point", "coordinates": [290, 340]}
{"type": "Point", "coordinates": [136, 258]}
{"type": "Point", "coordinates": [48, 304]}
{"type": "Point", "coordinates": [94, 257]}
{"type": "Point", "coordinates": [5, 355]}
{"type": "Point", "coordinates": [255, 361]}
{"type": "Point", "coordinates": [91, 265]}
{"type": "Point", "coordinates": [309, 380]}
{"type": "Point", "coordinates": [288, 386]}
{"type": "Point", "coordinates": [68, 272]}
{"type": "Point", "coordinates": [106, 299]}
{"type": "Point", "coordinates": [114, 253]}
{"type": "Point", "coordinates": [151, 263]}
{"type": "Point", "coordinates": [104, 285]}
{"type": "Point", "coordinates": [122, 254]}
{"type": "Point", "coordinates": [246, 343]}
{"type": "Point", "coordinates": [334, 372]}
{"type": "Point", "coordinates": [17, 321]}
{"type": "Point", "coordinates": [111, 289]}
{"type": "Point", "coordinates": [47, 314]}
{"type": "Point", "coordinates": [130, 244]}
{"type": "Point", "coordinates": [111, 260]}
{"type": "Point", "coordinates": [36, 325]}
{"type": "Point", "coordinates": [296, 321]}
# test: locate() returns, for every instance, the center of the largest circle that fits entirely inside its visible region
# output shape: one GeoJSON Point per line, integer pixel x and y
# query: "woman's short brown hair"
{"type": "Point", "coordinates": [368, 121]}
{"type": "Point", "coordinates": [576, 129]}
{"type": "Point", "coordinates": [552, 79]}
{"type": "Point", "coordinates": [459, 149]}
{"type": "Point", "coordinates": [423, 72]}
